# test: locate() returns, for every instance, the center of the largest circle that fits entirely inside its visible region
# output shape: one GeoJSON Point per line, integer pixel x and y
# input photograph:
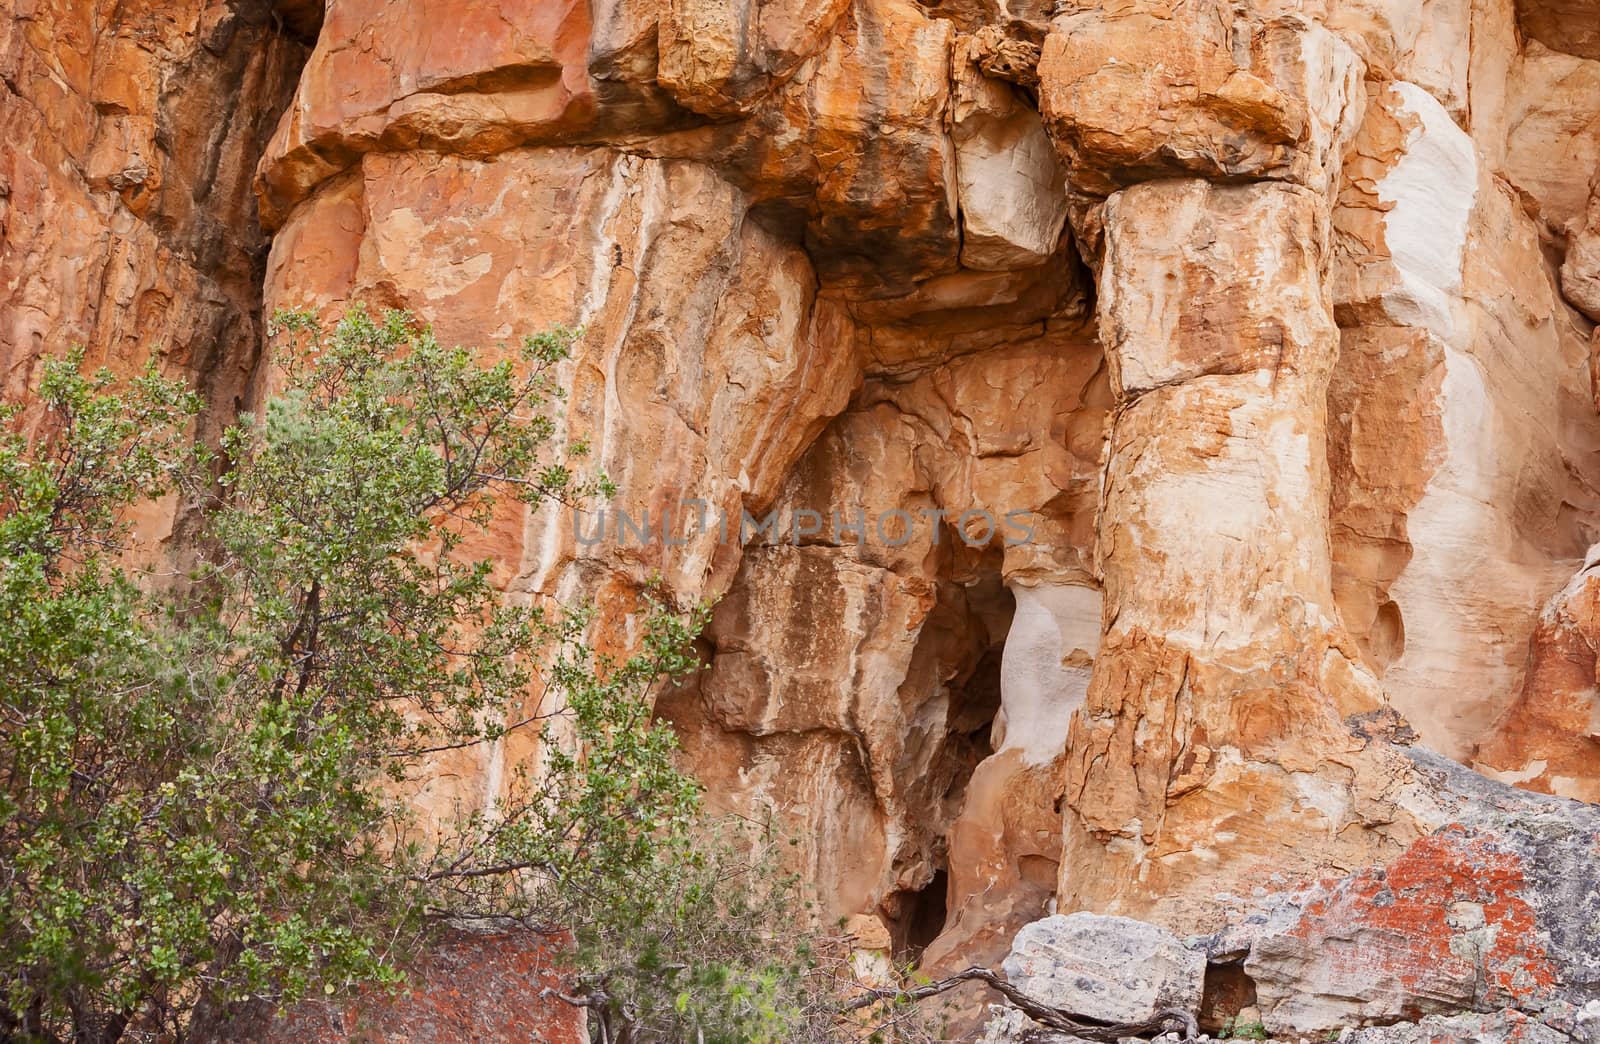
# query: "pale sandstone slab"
{"type": "Point", "coordinates": [1011, 184]}
{"type": "Point", "coordinates": [1110, 968]}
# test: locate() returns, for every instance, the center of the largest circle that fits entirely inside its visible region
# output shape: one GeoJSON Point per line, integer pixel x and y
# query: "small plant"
{"type": "Point", "coordinates": [1234, 1029]}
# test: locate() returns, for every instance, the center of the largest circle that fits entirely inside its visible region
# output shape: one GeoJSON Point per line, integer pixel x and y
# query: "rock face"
{"type": "Point", "coordinates": [1549, 739]}
{"type": "Point", "coordinates": [1425, 498]}
{"type": "Point", "coordinates": [1498, 909]}
{"type": "Point", "coordinates": [126, 211]}
{"type": "Point", "coordinates": [1580, 273]}
{"type": "Point", "coordinates": [1121, 439]}
{"type": "Point", "coordinates": [1495, 913]}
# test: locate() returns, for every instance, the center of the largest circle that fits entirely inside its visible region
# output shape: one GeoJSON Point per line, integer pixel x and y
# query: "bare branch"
{"type": "Point", "coordinates": [1044, 1014]}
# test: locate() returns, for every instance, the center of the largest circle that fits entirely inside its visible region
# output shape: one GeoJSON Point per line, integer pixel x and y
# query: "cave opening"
{"type": "Point", "coordinates": [974, 690]}
{"type": "Point", "coordinates": [923, 918]}
{"type": "Point", "coordinates": [1228, 994]}
{"type": "Point", "coordinates": [965, 647]}
{"type": "Point", "coordinates": [974, 707]}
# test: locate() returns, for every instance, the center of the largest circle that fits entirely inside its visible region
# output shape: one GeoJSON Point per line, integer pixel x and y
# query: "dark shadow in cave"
{"type": "Point", "coordinates": [923, 918]}
{"type": "Point", "coordinates": [983, 611]}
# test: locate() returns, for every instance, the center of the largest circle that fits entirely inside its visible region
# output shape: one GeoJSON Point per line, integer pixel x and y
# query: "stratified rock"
{"type": "Point", "coordinates": [956, 773]}
{"type": "Point", "coordinates": [856, 143]}
{"type": "Point", "coordinates": [1109, 968]}
{"type": "Point", "coordinates": [502, 76]}
{"type": "Point", "coordinates": [681, 395]}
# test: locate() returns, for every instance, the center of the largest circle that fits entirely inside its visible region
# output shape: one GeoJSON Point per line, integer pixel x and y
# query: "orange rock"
{"type": "Point", "coordinates": [1549, 738]}
{"type": "Point", "coordinates": [477, 988]}
{"type": "Point", "coordinates": [1254, 310]}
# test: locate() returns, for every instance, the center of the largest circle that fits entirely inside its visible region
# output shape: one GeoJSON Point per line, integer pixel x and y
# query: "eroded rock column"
{"type": "Point", "coordinates": [1213, 728]}
{"type": "Point", "coordinates": [1221, 742]}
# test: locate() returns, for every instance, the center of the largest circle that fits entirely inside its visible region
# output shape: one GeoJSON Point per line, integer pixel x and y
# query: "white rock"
{"type": "Point", "coordinates": [1111, 968]}
{"type": "Point", "coordinates": [1010, 182]}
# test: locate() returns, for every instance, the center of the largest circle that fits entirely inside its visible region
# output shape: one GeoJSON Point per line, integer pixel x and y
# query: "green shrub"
{"type": "Point", "coordinates": [202, 780]}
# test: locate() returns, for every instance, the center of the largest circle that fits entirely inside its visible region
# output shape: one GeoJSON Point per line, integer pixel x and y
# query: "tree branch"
{"type": "Point", "coordinates": [1044, 1014]}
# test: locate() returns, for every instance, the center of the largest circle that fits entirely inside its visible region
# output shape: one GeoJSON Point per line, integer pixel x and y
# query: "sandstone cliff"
{"type": "Point", "coordinates": [1274, 319]}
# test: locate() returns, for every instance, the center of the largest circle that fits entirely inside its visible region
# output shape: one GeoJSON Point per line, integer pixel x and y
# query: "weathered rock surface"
{"type": "Point", "coordinates": [949, 787]}
{"type": "Point", "coordinates": [1139, 91]}
{"type": "Point", "coordinates": [1561, 25]}
{"type": "Point", "coordinates": [1552, 144]}
{"type": "Point", "coordinates": [1108, 968]}
{"type": "Point", "coordinates": [1440, 339]}
{"type": "Point", "coordinates": [1223, 676]}
{"type": "Point", "coordinates": [1496, 912]}
{"type": "Point", "coordinates": [721, 58]}
{"type": "Point", "coordinates": [1580, 272]}
{"type": "Point", "coordinates": [126, 213]}
{"type": "Point", "coordinates": [1502, 1027]}
{"type": "Point", "coordinates": [1549, 738]}
{"type": "Point", "coordinates": [1270, 324]}
{"type": "Point", "coordinates": [1011, 184]}
{"type": "Point", "coordinates": [1498, 908]}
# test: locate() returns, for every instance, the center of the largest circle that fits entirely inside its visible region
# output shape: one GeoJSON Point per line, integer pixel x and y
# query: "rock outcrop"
{"type": "Point", "coordinates": [1135, 448]}
{"type": "Point", "coordinates": [1496, 909]}
{"type": "Point", "coordinates": [1493, 913]}
{"type": "Point", "coordinates": [126, 206]}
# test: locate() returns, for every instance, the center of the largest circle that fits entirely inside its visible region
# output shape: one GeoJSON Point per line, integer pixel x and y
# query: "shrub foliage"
{"type": "Point", "coordinates": [207, 780]}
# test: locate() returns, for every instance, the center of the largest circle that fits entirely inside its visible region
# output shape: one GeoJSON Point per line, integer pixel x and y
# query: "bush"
{"type": "Point", "coordinates": [202, 783]}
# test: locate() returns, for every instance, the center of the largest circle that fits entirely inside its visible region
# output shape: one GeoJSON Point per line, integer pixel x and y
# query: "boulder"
{"type": "Point", "coordinates": [1114, 969]}
{"type": "Point", "coordinates": [1499, 908]}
